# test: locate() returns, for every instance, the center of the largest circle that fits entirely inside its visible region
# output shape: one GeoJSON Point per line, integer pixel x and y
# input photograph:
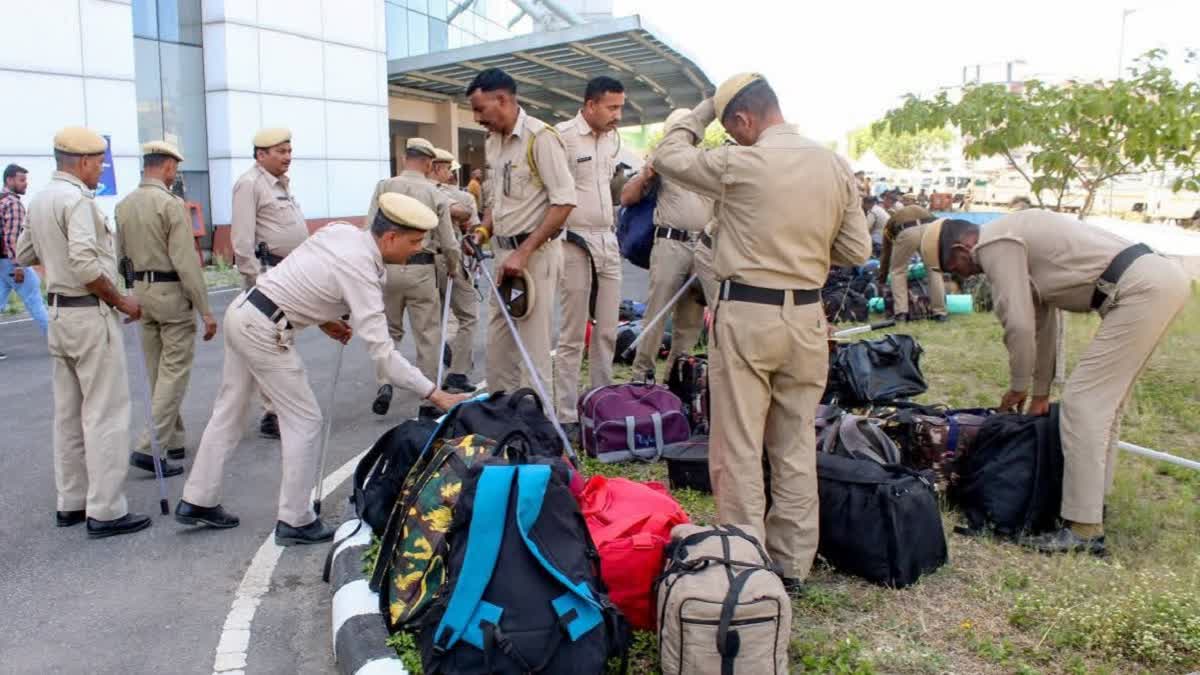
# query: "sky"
{"type": "Point", "coordinates": [841, 65]}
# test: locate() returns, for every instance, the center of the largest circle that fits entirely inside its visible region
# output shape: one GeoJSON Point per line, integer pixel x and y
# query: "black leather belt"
{"type": "Point", "coordinates": [739, 292]}
{"type": "Point", "coordinates": [511, 243]}
{"type": "Point", "coordinates": [267, 306]}
{"type": "Point", "coordinates": [60, 300]}
{"type": "Point", "coordinates": [900, 227]}
{"type": "Point", "coordinates": [422, 258]}
{"type": "Point", "coordinates": [271, 259]}
{"type": "Point", "coordinates": [1117, 268]}
{"type": "Point", "coordinates": [671, 233]}
{"type": "Point", "coordinates": [705, 239]}
{"type": "Point", "coordinates": [152, 276]}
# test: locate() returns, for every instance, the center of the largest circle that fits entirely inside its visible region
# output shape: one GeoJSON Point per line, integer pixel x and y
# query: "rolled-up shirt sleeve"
{"type": "Point", "coordinates": [365, 300]}
{"type": "Point", "coordinates": [1007, 267]}
{"type": "Point", "coordinates": [83, 255]}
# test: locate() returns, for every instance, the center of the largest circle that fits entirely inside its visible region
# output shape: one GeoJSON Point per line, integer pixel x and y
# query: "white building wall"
{"type": "Point", "coordinates": [55, 74]}
{"type": "Point", "coordinates": [317, 67]}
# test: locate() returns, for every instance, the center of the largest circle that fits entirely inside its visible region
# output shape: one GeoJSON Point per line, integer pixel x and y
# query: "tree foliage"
{"type": "Point", "coordinates": [899, 150]}
{"type": "Point", "coordinates": [1077, 133]}
{"type": "Point", "coordinates": [714, 136]}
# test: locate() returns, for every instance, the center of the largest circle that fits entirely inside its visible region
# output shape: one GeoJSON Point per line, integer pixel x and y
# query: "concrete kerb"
{"type": "Point", "coordinates": [358, 634]}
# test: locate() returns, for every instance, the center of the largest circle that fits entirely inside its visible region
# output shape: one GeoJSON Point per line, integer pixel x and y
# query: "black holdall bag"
{"type": "Point", "coordinates": [875, 371]}
{"type": "Point", "coordinates": [380, 474]}
{"type": "Point", "coordinates": [879, 522]}
{"type": "Point", "coordinates": [687, 464]}
{"type": "Point", "coordinates": [499, 415]}
{"type": "Point", "coordinates": [1011, 483]}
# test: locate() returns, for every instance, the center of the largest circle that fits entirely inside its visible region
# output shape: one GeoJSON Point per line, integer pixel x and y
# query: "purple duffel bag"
{"type": "Point", "coordinates": [621, 422]}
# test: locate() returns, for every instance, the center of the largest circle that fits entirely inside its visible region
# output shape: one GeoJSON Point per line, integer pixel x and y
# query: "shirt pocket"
{"type": "Point", "coordinates": [520, 183]}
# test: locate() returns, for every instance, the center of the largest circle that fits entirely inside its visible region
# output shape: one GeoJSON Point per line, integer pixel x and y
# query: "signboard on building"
{"type": "Point", "coordinates": [108, 176]}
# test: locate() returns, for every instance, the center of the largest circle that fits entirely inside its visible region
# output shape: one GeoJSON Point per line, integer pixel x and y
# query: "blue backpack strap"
{"type": "Point", "coordinates": [577, 609]}
{"type": "Point", "coordinates": [467, 610]}
{"type": "Point", "coordinates": [951, 434]}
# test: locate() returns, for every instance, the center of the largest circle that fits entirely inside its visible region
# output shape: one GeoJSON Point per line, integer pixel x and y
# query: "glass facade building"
{"type": "Point", "coordinates": [417, 27]}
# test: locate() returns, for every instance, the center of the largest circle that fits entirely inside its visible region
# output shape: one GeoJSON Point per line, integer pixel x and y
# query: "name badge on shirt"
{"type": "Point", "coordinates": [581, 160]}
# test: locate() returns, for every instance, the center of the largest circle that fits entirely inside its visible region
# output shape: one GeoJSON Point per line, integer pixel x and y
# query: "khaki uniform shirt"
{"type": "Point", "coordinates": [680, 208]}
{"type": "Point", "coordinates": [337, 271]}
{"type": "Point", "coordinates": [69, 235]}
{"type": "Point", "coordinates": [414, 184]}
{"type": "Point", "coordinates": [463, 198]}
{"type": "Point", "coordinates": [593, 159]}
{"type": "Point", "coordinates": [901, 216]}
{"type": "Point", "coordinates": [264, 209]}
{"type": "Point", "coordinates": [787, 206]}
{"type": "Point", "coordinates": [518, 200]}
{"type": "Point", "coordinates": [1038, 261]}
{"type": "Point", "coordinates": [156, 234]}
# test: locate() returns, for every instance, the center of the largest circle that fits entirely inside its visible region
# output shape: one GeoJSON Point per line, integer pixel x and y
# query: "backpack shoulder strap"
{"type": "Point", "coordinates": [578, 609]}
{"type": "Point", "coordinates": [467, 610]}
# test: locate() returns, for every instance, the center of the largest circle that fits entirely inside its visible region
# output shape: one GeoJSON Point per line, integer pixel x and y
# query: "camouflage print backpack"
{"type": "Point", "coordinates": [411, 565]}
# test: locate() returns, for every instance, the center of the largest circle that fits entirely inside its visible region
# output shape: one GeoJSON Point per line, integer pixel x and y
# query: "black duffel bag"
{"type": "Point", "coordinates": [879, 522]}
{"type": "Point", "coordinates": [1011, 483]}
{"type": "Point", "coordinates": [381, 472]}
{"type": "Point", "coordinates": [875, 372]}
{"type": "Point", "coordinates": [499, 415]}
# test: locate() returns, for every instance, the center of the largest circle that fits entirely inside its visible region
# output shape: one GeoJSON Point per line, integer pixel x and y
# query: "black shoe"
{"type": "Point", "coordinates": [212, 516]}
{"type": "Point", "coordinates": [176, 453]}
{"type": "Point", "coordinates": [1065, 541]}
{"type": "Point", "coordinates": [383, 400]}
{"type": "Point", "coordinates": [457, 383]}
{"type": "Point", "coordinates": [648, 377]}
{"type": "Point", "coordinates": [793, 586]}
{"type": "Point", "coordinates": [3, 356]}
{"type": "Point", "coordinates": [126, 524]}
{"type": "Point", "coordinates": [939, 318]}
{"type": "Point", "coordinates": [901, 317]}
{"type": "Point", "coordinates": [146, 463]}
{"type": "Point", "coordinates": [69, 518]}
{"type": "Point", "coordinates": [315, 532]}
{"type": "Point", "coordinates": [429, 412]}
{"type": "Point", "coordinates": [572, 431]}
{"type": "Point", "coordinates": [269, 426]}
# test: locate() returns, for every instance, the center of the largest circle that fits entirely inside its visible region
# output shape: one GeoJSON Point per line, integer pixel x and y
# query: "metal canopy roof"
{"type": "Point", "coordinates": [552, 69]}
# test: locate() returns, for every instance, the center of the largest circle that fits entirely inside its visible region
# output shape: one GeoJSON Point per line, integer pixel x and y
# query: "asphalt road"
{"type": "Point", "coordinates": [156, 601]}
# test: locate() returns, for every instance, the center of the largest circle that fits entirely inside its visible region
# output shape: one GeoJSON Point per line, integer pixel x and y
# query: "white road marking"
{"type": "Point", "coordinates": [217, 291]}
{"type": "Point", "coordinates": [234, 644]}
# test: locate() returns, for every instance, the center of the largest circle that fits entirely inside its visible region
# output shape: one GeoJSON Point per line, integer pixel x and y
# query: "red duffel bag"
{"type": "Point", "coordinates": [630, 523]}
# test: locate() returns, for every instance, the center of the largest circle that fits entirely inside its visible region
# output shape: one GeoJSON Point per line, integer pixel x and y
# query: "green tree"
{"type": "Point", "coordinates": [899, 150]}
{"type": "Point", "coordinates": [1077, 133]}
{"type": "Point", "coordinates": [714, 136]}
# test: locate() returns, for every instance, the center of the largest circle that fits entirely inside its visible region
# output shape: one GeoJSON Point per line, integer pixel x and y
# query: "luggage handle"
{"type": "Point", "coordinates": [515, 398]}
{"type": "Point", "coordinates": [615, 529]}
{"type": "Point", "coordinates": [519, 455]}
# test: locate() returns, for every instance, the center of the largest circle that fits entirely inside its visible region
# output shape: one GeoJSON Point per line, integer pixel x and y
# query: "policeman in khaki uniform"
{"type": "Point", "coordinates": [590, 251]}
{"type": "Point", "coordinates": [464, 301]}
{"type": "Point", "coordinates": [901, 239]}
{"type": "Point", "coordinates": [266, 212]}
{"type": "Point", "coordinates": [526, 204]}
{"type": "Point", "coordinates": [412, 287]}
{"type": "Point", "coordinates": [1038, 262]}
{"type": "Point", "coordinates": [155, 234]}
{"type": "Point", "coordinates": [680, 216]}
{"type": "Point", "coordinates": [339, 270]}
{"type": "Point", "coordinates": [69, 235]}
{"type": "Point", "coordinates": [787, 207]}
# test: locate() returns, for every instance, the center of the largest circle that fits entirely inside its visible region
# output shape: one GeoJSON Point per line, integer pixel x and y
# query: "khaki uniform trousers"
{"type": "Point", "coordinates": [169, 344]}
{"type": "Point", "coordinates": [671, 264]}
{"type": "Point", "coordinates": [91, 410]}
{"type": "Point", "coordinates": [708, 278]}
{"type": "Point", "coordinates": [768, 372]}
{"type": "Point", "coordinates": [903, 247]}
{"type": "Point", "coordinates": [413, 290]}
{"type": "Point", "coordinates": [1147, 299]}
{"type": "Point", "coordinates": [505, 367]}
{"type": "Point", "coordinates": [268, 409]}
{"type": "Point", "coordinates": [575, 287]}
{"type": "Point", "coordinates": [464, 305]}
{"type": "Point", "coordinates": [260, 354]}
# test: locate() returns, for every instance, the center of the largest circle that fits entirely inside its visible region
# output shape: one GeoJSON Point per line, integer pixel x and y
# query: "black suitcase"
{"type": "Point", "coordinates": [879, 522]}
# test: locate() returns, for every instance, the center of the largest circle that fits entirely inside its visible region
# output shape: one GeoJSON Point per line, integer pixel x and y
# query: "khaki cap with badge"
{"type": "Point", "coordinates": [729, 90]}
{"type": "Point", "coordinates": [79, 141]}
{"type": "Point", "coordinates": [441, 155]}
{"type": "Point", "coordinates": [161, 148]}
{"type": "Point", "coordinates": [272, 136]}
{"type": "Point", "coordinates": [422, 146]}
{"type": "Point", "coordinates": [406, 211]}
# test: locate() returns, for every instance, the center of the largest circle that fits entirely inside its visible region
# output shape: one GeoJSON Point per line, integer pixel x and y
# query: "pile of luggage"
{"type": "Point", "coordinates": [852, 294]}
{"type": "Point", "coordinates": [497, 555]}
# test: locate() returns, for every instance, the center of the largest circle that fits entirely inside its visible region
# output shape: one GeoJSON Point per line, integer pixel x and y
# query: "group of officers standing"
{"type": "Point", "coordinates": [759, 222]}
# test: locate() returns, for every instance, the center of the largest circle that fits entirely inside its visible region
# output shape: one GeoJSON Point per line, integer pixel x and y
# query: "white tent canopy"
{"type": "Point", "coordinates": [869, 162]}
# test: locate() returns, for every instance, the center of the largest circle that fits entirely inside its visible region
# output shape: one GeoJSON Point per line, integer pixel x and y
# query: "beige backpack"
{"type": "Point", "coordinates": [722, 608]}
